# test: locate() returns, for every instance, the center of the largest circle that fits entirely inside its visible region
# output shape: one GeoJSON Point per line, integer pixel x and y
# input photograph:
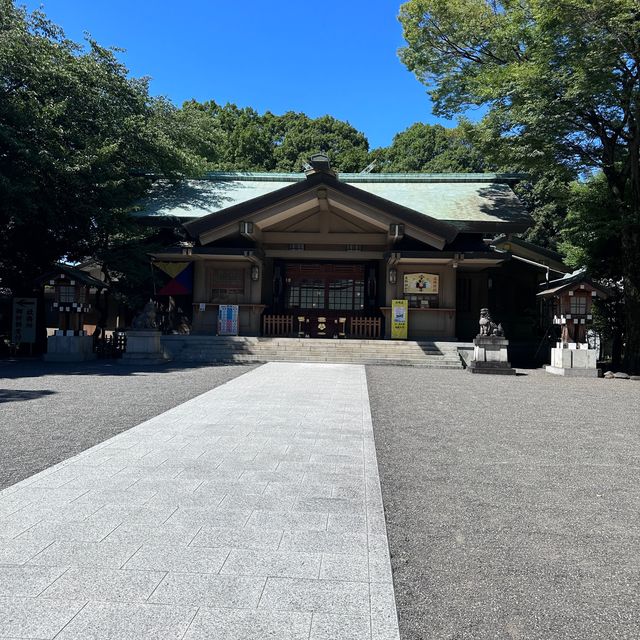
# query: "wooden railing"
{"type": "Point", "coordinates": [273, 325]}
{"type": "Point", "coordinates": [365, 327]}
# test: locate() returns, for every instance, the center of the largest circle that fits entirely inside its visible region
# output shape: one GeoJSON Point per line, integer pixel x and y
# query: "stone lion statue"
{"type": "Point", "coordinates": [146, 319]}
{"type": "Point", "coordinates": [184, 326]}
{"type": "Point", "coordinates": [487, 326]}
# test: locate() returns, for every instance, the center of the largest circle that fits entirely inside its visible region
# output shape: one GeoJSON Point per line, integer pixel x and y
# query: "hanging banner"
{"type": "Point", "coordinates": [399, 319]}
{"type": "Point", "coordinates": [228, 320]}
{"type": "Point", "coordinates": [182, 283]}
{"type": "Point", "coordinates": [421, 283]}
{"type": "Point", "coordinates": [171, 268]}
{"type": "Point", "coordinates": [24, 320]}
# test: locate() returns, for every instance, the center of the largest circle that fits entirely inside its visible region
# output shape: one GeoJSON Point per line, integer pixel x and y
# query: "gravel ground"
{"type": "Point", "coordinates": [512, 503]}
{"type": "Point", "coordinates": [50, 412]}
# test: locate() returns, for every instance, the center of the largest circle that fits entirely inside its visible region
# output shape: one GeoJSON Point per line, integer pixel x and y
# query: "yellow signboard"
{"type": "Point", "coordinates": [421, 283]}
{"type": "Point", "coordinates": [399, 319]}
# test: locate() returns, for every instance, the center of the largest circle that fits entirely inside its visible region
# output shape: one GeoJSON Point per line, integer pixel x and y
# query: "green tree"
{"type": "Point", "coordinates": [298, 137]}
{"type": "Point", "coordinates": [240, 139]}
{"type": "Point", "coordinates": [591, 237]}
{"type": "Point", "coordinates": [561, 82]}
{"type": "Point", "coordinates": [431, 149]}
{"type": "Point", "coordinates": [80, 143]}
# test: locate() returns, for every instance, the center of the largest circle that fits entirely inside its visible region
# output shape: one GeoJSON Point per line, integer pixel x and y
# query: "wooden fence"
{"type": "Point", "coordinates": [365, 328]}
{"type": "Point", "coordinates": [277, 325]}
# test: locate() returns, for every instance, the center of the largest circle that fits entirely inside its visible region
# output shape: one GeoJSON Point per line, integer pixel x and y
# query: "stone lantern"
{"type": "Point", "coordinates": [572, 298]}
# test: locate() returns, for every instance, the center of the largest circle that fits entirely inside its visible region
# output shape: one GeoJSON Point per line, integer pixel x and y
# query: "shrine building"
{"type": "Point", "coordinates": [321, 254]}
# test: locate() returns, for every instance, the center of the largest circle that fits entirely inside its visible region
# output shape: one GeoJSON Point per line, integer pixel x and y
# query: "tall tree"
{"type": "Point", "coordinates": [298, 137]}
{"type": "Point", "coordinates": [240, 139]}
{"type": "Point", "coordinates": [561, 79]}
{"type": "Point", "coordinates": [80, 143]}
{"type": "Point", "coordinates": [591, 237]}
{"type": "Point", "coordinates": [431, 149]}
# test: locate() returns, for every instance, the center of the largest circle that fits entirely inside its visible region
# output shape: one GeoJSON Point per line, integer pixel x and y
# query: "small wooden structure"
{"type": "Point", "coordinates": [72, 288]}
{"type": "Point", "coordinates": [571, 299]}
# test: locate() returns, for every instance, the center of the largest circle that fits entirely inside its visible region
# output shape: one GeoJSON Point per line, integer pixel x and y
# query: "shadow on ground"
{"type": "Point", "coordinates": [14, 369]}
{"type": "Point", "coordinates": [17, 395]}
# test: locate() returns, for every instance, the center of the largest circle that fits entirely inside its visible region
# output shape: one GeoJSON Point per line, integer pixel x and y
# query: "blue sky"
{"type": "Point", "coordinates": [331, 57]}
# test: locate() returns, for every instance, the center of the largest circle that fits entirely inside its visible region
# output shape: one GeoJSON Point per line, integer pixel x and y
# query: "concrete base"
{"type": "Point", "coordinates": [575, 360]}
{"type": "Point", "coordinates": [144, 348]}
{"type": "Point", "coordinates": [573, 373]}
{"type": "Point", "coordinates": [490, 355]}
{"type": "Point", "coordinates": [61, 348]}
{"type": "Point", "coordinates": [497, 368]}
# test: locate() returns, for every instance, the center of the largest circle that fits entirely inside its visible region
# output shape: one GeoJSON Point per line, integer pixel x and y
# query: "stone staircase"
{"type": "Point", "coordinates": [202, 349]}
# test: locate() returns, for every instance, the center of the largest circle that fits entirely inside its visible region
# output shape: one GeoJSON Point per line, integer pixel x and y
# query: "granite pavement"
{"type": "Point", "coordinates": [50, 412]}
{"type": "Point", "coordinates": [252, 511]}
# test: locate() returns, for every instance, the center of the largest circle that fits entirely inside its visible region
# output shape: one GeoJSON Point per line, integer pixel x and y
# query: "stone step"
{"type": "Point", "coordinates": [364, 354]}
{"type": "Point", "coordinates": [211, 349]}
{"type": "Point", "coordinates": [366, 361]}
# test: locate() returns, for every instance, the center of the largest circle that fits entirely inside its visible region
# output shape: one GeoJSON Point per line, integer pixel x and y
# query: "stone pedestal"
{"type": "Point", "coordinates": [143, 347]}
{"type": "Point", "coordinates": [69, 346]}
{"type": "Point", "coordinates": [490, 355]}
{"type": "Point", "coordinates": [573, 359]}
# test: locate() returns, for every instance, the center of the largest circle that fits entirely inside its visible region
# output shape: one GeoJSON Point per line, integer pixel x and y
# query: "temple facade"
{"type": "Point", "coordinates": [324, 255]}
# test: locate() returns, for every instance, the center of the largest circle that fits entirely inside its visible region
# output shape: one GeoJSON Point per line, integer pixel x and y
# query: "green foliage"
{"type": "Point", "coordinates": [593, 230]}
{"type": "Point", "coordinates": [240, 139]}
{"type": "Point", "coordinates": [431, 149]}
{"type": "Point", "coordinates": [561, 82]}
{"type": "Point", "coordinates": [80, 142]}
{"type": "Point", "coordinates": [298, 137]}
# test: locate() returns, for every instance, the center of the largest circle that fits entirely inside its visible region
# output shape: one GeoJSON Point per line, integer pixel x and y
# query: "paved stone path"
{"type": "Point", "coordinates": [253, 511]}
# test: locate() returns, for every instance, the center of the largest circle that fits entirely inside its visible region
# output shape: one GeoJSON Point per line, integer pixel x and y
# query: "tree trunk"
{"type": "Point", "coordinates": [631, 282]}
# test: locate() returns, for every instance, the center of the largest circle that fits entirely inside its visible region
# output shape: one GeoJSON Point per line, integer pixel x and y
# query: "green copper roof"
{"type": "Point", "coordinates": [462, 199]}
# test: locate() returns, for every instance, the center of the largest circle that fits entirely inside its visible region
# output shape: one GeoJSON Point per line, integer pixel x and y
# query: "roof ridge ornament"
{"type": "Point", "coordinates": [318, 163]}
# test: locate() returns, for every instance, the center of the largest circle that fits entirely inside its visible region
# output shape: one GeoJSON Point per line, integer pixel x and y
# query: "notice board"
{"type": "Point", "coordinates": [399, 319]}
{"type": "Point", "coordinates": [228, 320]}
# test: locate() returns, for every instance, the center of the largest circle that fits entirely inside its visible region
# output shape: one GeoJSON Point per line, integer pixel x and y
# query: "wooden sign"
{"type": "Point", "coordinates": [421, 283]}
{"type": "Point", "coordinates": [24, 321]}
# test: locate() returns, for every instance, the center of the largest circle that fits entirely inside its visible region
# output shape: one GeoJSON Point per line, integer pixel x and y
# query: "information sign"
{"type": "Point", "coordinates": [24, 320]}
{"type": "Point", "coordinates": [399, 319]}
{"type": "Point", "coordinates": [228, 320]}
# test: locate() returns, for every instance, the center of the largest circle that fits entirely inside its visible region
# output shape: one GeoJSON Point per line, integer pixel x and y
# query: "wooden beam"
{"type": "Point", "coordinates": [309, 237]}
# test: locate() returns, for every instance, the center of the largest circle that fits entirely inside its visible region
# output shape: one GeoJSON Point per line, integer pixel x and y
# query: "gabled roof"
{"type": "Point", "coordinates": [469, 202]}
{"type": "Point", "coordinates": [571, 281]}
{"type": "Point", "coordinates": [524, 249]}
{"type": "Point", "coordinates": [72, 273]}
{"type": "Point", "coordinates": [242, 210]}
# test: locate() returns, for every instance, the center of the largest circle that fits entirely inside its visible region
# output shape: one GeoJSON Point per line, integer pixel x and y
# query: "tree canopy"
{"type": "Point", "coordinates": [561, 81]}
{"type": "Point", "coordinates": [80, 142]}
{"type": "Point", "coordinates": [431, 149]}
{"type": "Point", "coordinates": [241, 139]}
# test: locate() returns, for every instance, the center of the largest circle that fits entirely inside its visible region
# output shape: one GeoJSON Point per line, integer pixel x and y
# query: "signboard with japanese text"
{"type": "Point", "coordinates": [24, 321]}
{"type": "Point", "coordinates": [421, 283]}
{"type": "Point", "coordinates": [399, 319]}
{"type": "Point", "coordinates": [228, 320]}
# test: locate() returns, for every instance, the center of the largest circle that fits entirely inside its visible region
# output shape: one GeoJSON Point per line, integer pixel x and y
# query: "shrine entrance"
{"type": "Point", "coordinates": [325, 297]}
